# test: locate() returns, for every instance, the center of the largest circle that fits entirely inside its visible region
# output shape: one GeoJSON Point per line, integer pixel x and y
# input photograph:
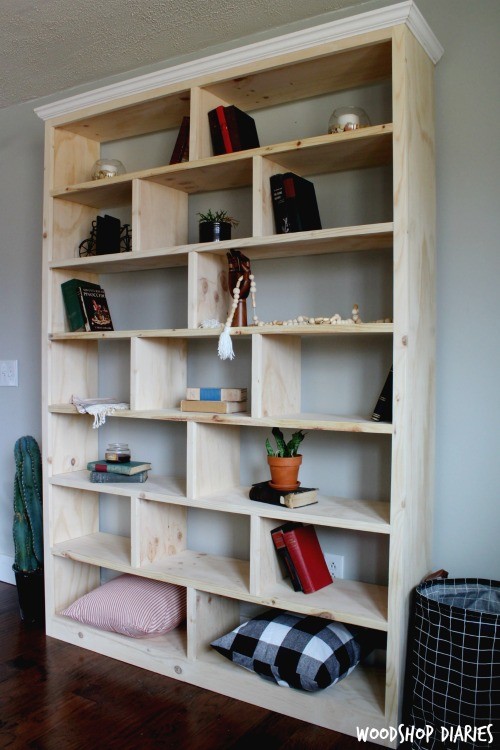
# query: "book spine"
{"type": "Point", "coordinates": [298, 562]}
{"type": "Point", "coordinates": [215, 133]}
{"type": "Point", "coordinates": [281, 221]}
{"type": "Point", "coordinates": [181, 148]}
{"type": "Point", "coordinates": [216, 394]}
{"type": "Point", "coordinates": [291, 203]}
{"type": "Point", "coordinates": [284, 555]}
{"type": "Point", "coordinates": [226, 140]}
{"type": "Point", "coordinates": [218, 407]}
{"type": "Point", "coordinates": [383, 408]}
{"type": "Point", "coordinates": [100, 477]}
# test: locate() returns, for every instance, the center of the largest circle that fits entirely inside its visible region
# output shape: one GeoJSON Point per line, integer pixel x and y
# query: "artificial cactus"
{"type": "Point", "coordinates": [28, 509]}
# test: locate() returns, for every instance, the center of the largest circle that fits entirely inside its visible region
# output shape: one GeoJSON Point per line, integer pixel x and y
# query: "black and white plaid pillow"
{"type": "Point", "coordinates": [308, 653]}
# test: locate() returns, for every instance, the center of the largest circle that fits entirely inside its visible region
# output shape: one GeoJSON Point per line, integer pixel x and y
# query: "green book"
{"type": "Point", "coordinates": [127, 467]}
{"type": "Point", "coordinates": [72, 303]}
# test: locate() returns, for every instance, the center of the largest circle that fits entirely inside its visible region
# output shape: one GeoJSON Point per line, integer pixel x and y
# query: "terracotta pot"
{"type": "Point", "coordinates": [214, 231]}
{"type": "Point", "coordinates": [284, 472]}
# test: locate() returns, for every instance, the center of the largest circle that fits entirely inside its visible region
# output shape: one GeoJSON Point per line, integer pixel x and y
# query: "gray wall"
{"type": "Point", "coordinates": [468, 355]}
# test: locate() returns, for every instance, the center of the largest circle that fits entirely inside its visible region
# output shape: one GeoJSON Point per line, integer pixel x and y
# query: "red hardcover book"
{"type": "Point", "coordinates": [181, 148]}
{"type": "Point", "coordinates": [284, 555]}
{"type": "Point", "coordinates": [221, 115]}
{"type": "Point", "coordinates": [307, 557]}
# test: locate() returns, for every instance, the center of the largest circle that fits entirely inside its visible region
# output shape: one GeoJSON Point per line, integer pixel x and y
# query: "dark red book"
{"type": "Point", "coordinates": [307, 557]}
{"type": "Point", "coordinates": [284, 555]}
{"type": "Point", "coordinates": [181, 148]}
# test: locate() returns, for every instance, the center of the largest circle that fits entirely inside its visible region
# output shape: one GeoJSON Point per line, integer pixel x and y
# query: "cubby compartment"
{"type": "Point", "coordinates": [207, 370]}
{"type": "Point", "coordinates": [82, 519]}
{"type": "Point", "coordinates": [289, 370]}
{"type": "Point", "coordinates": [175, 546]}
{"type": "Point", "coordinates": [159, 652]}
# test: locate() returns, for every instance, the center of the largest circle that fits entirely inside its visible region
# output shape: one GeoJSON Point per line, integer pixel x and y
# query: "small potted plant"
{"type": "Point", "coordinates": [284, 461]}
{"type": "Point", "coordinates": [28, 530]}
{"type": "Point", "coordinates": [215, 226]}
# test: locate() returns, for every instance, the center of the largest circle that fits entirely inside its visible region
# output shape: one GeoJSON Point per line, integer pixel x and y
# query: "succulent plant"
{"type": "Point", "coordinates": [284, 449]}
{"type": "Point", "coordinates": [217, 216]}
{"type": "Point", "coordinates": [28, 510]}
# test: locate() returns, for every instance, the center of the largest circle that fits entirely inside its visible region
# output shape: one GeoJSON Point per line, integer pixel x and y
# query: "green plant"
{"type": "Point", "coordinates": [28, 513]}
{"type": "Point", "coordinates": [284, 449]}
{"type": "Point", "coordinates": [217, 216]}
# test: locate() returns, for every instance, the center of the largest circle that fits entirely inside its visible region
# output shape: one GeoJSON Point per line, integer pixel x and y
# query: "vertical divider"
{"type": "Point", "coordinates": [158, 374]}
{"type": "Point", "coordinates": [264, 564]}
{"type": "Point", "coordinates": [160, 531]}
{"type": "Point", "coordinates": [74, 157]}
{"type": "Point", "coordinates": [276, 375]}
{"type": "Point", "coordinates": [263, 216]}
{"type": "Point", "coordinates": [213, 458]}
{"type": "Point", "coordinates": [208, 295]}
{"type": "Point", "coordinates": [208, 617]}
{"type": "Point", "coordinates": [159, 216]}
{"type": "Point", "coordinates": [200, 142]}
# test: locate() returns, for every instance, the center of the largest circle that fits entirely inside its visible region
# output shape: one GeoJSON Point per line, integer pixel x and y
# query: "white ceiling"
{"type": "Point", "coordinates": [47, 46]}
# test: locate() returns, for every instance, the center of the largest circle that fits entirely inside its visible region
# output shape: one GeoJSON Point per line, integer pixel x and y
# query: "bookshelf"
{"type": "Point", "coordinates": [377, 242]}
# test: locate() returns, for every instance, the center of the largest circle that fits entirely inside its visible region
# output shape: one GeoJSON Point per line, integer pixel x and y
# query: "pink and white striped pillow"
{"type": "Point", "coordinates": [131, 605]}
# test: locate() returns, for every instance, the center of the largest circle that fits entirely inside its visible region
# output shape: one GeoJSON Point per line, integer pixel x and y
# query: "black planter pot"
{"type": "Point", "coordinates": [214, 231]}
{"type": "Point", "coordinates": [31, 596]}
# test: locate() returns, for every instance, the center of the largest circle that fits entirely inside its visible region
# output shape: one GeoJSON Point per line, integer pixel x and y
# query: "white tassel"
{"type": "Point", "coordinates": [225, 349]}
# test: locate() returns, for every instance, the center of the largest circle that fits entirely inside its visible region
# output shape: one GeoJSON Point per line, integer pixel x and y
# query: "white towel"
{"type": "Point", "coordinates": [99, 408]}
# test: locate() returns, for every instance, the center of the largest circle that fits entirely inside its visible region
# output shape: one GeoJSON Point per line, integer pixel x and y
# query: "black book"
{"type": "Point", "coordinates": [107, 237]}
{"type": "Point", "coordinates": [242, 129]}
{"type": "Point", "coordinates": [96, 310]}
{"type": "Point", "coordinates": [181, 148]}
{"type": "Point", "coordinates": [383, 408]}
{"type": "Point", "coordinates": [284, 555]}
{"type": "Point", "coordinates": [231, 129]}
{"type": "Point", "coordinates": [264, 493]}
{"type": "Point", "coordinates": [294, 203]}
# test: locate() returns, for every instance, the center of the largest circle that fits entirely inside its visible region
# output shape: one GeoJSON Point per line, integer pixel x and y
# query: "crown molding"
{"type": "Point", "coordinates": [405, 12]}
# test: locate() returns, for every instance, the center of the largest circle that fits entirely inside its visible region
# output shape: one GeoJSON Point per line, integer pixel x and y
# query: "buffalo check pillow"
{"type": "Point", "coordinates": [308, 653]}
{"type": "Point", "coordinates": [133, 606]}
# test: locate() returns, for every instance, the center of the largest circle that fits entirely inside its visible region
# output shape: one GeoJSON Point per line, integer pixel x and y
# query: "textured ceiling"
{"type": "Point", "coordinates": [47, 46]}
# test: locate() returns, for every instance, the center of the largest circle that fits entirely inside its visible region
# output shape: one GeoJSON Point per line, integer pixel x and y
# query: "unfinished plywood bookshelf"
{"type": "Point", "coordinates": [394, 48]}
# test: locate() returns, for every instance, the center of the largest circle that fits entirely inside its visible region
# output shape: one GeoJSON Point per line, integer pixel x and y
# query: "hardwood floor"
{"type": "Point", "coordinates": [54, 696]}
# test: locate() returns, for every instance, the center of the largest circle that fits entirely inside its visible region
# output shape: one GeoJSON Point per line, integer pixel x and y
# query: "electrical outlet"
{"type": "Point", "coordinates": [8, 372]}
{"type": "Point", "coordinates": [335, 565]}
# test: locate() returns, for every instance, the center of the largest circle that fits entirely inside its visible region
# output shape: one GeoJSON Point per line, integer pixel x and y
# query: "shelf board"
{"type": "Point", "coordinates": [335, 512]}
{"type": "Point", "coordinates": [315, 242]}
{"type": "Point", "coordinates": [353, 602]}
{"type": "Point", "coordinates": [358, 149]}
{"type": "Point", "coordinates": [346, 329]}
{"type": "Point", "coordinates": [166, 488]}
{"type": "Point", "coordinates": [304, 421]}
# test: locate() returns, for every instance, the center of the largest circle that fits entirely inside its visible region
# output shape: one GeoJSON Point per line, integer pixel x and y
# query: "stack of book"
{"type": "Point", "coordinates": [217, 400]}
{"type": "Point", "coordinates": [86, 306]}
{"type": "Point", "coordinates": [300, 552]}
{"type": "Point", "coordinates": [295, 206]}
{"type": "Point", "coordinates": [111, 471]}
{"type": "Point", "coordinates": [231, 129]}
{"type": "Point", "coordinates": [264, 493]}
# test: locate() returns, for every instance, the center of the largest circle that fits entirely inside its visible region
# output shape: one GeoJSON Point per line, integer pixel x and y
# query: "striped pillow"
{"type": "Point", "coordinates": [133, 606]}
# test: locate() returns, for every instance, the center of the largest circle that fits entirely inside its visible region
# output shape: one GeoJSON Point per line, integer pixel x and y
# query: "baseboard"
{"type": "Point", "coordinates": [6, 572]}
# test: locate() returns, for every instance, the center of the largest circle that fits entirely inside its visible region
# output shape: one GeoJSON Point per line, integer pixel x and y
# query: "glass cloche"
{"type": "Point", "coordinates": [104, 168]}
{"type": "Point", "coordinates": [348, 118]}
